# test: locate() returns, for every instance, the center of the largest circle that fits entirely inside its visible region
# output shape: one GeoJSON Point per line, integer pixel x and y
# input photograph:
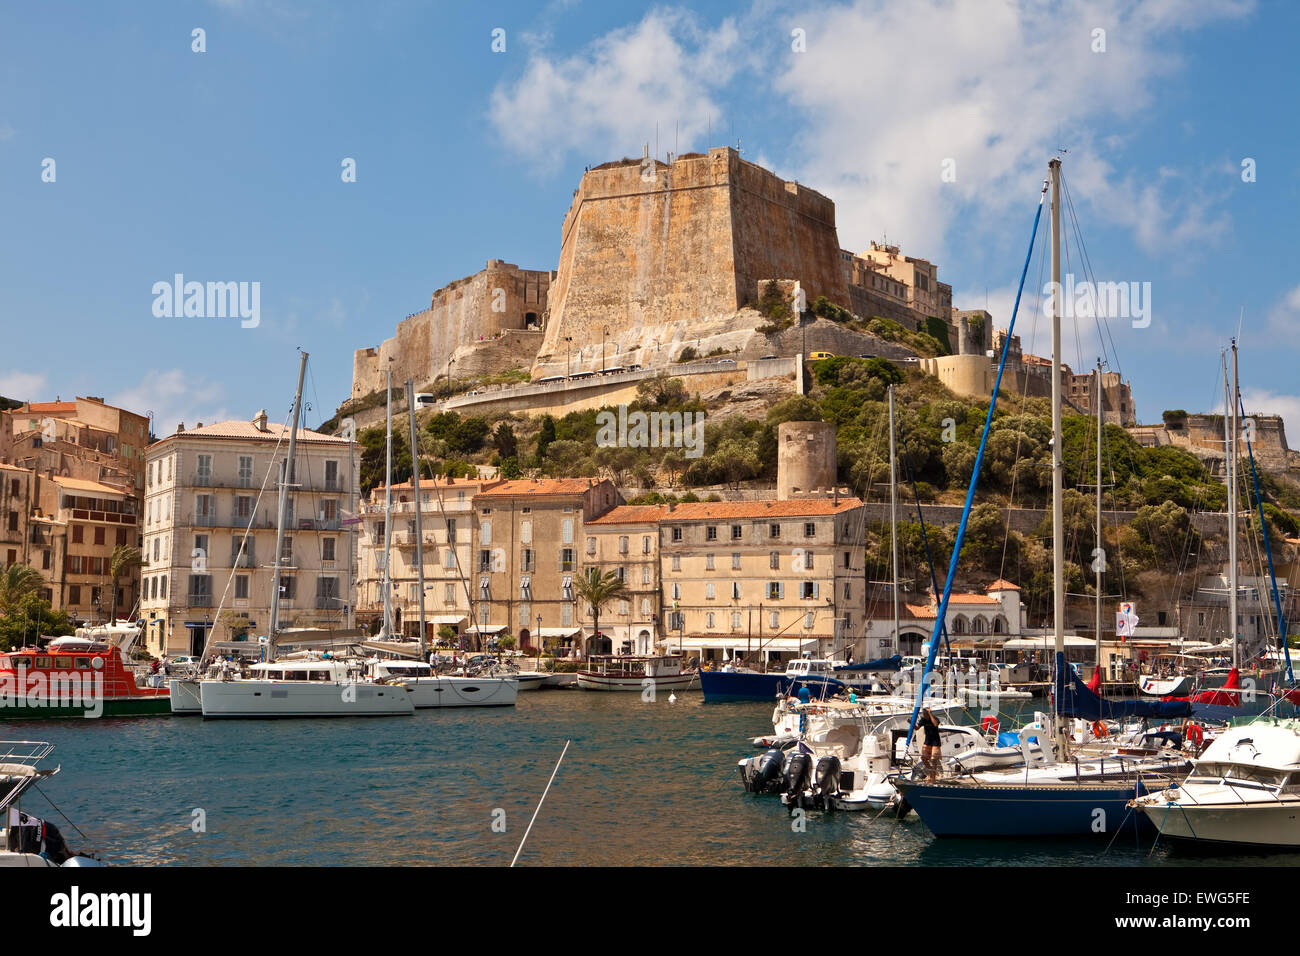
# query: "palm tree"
{"type": "Point", "coordinates": [122, 560]}
{"type": "Point", "coordinates": [16, 582]}
{"type": "Point", "coordinates": [599, 589]}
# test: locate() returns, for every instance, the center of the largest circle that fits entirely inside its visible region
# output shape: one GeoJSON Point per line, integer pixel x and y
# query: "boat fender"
{"type": "Point", "coordinates": [1099, 729]}
{"type": "Point", "coordinates": [1193, 734]}
{"type": "Point", "coordinates": [989, 725]}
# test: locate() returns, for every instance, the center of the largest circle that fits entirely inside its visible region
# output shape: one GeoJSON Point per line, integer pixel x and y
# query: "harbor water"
{"type": "Point", "coordinates": [643, 783]}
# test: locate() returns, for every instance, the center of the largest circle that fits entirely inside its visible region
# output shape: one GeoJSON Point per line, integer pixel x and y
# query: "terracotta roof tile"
{"type": "Point", "coordinates": [247, 430]}
{"type": "Point", "coordinates": [631, 514]}
{"type": "Point", "coordinates": [1002, 584]}
{"type": "Point", "coordinates": [797, 508]}
{"type": "Point", "coordinates": [540, 486]}
{"type": "Point", "coordinates": [78, 484]}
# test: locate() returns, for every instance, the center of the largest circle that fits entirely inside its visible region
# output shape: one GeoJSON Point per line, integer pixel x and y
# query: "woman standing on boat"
{"type": "Point", "coordinates": [931, 745]}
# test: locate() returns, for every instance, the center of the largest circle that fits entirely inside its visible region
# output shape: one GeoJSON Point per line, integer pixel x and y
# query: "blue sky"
{"type": "Point", "coordinates": [225, 166]}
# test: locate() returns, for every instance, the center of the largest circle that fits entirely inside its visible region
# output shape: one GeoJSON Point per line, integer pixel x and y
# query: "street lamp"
{"type": "Point", "coordinates": [538, 645]}
{"type": "Point", "coordinates": [602, 350]}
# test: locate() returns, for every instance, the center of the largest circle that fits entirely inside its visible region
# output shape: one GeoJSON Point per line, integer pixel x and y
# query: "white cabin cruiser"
{"type": "Point", "coordinates": [1243, 791]}
{"type": "Point", "coordinates": [26, 840]}
{"type": "Point", "coordinates": [311, 687]}
{"type": "Point", "coordinates": [430, 689]}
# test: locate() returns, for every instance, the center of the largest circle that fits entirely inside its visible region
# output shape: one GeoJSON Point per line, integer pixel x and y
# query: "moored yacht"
{"type": "Point", "coordinates": [430, 689]}
{"type": "Point", "coordinates": [1243, 791]}
{"type": "Point", "coordinates": [635, 672]}
{"type": "Point", "coordinates": [316, 687]}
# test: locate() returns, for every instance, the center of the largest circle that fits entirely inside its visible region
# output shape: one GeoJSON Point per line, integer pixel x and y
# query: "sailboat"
{"type": "Point", "coordinates": [314, 684]}
{"type": "Point", "coordinates": [1084, 794]}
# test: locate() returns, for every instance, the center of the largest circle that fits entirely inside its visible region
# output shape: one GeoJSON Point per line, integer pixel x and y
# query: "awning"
{"type": "Point", "coordinates": [446, 619]}
{"type": "Point", "coordinates": [753, 645]}
{"type": "Point", "coordinates": [555, 631]}
{"type": "Point", "coordinates": [1045, 643]}
{"type": "Point", "coordinates": [488, 629]}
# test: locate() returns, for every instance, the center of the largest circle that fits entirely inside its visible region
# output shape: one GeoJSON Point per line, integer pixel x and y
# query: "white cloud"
{"type": "Point", "coordinates": [175, 396]}
{"type": "Point", "coordinates": [995, 88]}
{"type": "Point", "coordinates": [1260, 401]}
{"type": "Point", "coordinates": [1284, 317]}
{"type": "Point", "coordinates": [603, 102]}
{"type": "Point", "coordinates": [24, 386]}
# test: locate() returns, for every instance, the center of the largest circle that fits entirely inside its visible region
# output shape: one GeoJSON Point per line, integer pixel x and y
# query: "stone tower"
{"type": "Point", "coordinates": [805, 459]}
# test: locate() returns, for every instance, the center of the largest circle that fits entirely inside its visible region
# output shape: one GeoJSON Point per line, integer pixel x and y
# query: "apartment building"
{"type": "Point", "coordinates": [625, 540]}
{"type": "Point", "coordinates": [919, 277]}
{"type": "Point", "coordinates": [85, 438]}
{"type": "Point", "coordinates": [446, 511]}
{"type": "Point", "coordinates": [763, 579]}
{"type": "Point", "coordinates": [15, 508]}
{"type": "Point", "coordinates": [528, 536]}
{"type": "Point", "coordinates": [75, 528]}
{"type": "Point", "coordinates": [996, 616]}
{"type": "Point", "coordinates": [210, 515]}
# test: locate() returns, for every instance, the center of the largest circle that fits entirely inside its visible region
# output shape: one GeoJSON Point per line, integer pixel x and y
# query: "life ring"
{"type": "Point", "coordinates": [1099, 729]}
{"type": "Point", "coordinates": [1193, 734]}
{"type": "Point", "coordinates": [989, 725]}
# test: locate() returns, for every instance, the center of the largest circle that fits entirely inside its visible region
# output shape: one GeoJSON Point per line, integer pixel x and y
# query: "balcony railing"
{"type": "Point", "coordinates": [328, 603]}
{"type": "Point", "coordinates": [199, 600]}
{"type": "Point", "coordinates": [204, 521]}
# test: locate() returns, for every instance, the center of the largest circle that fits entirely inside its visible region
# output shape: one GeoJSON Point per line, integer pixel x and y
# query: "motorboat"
{"type": "Point", "coordinates": [429, 689]}
{"type": "Point", "coordinates": [27, 840]}
{"type": "Point", "coordinates": [315, 686]}
{"type": "Point", "coordinates": [81, 675]}
{"type": "Point", "coordinates": [1243, 791]}
{"type": "Point", "coordinates": [620, 672]}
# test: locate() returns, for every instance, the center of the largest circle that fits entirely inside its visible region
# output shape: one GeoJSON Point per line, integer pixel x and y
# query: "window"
{"type": "Point", "coordinates": [448, 558]}
{"type": "Point", "coordinates": [332, 476]}
{"type": "Point", "coordinates": [13, 521]}
{"type": "Point", "coordinates": [329, 509]}
{"type": "Point", "coordinates": [708, 591]}
{"type": "Point", "coordinates": [677, 592]}
{"type": "Point", "coordinates": [676, 621]}
{"type": "Point", "coordinates": [735, 590]}
{"type": "Point", "coordinates": [156, 542]}
{"type": "Point", "coordinates": [78, 533]}
{"type": "Point", "coordinates": [774, 560]}
{"type": "Point", "coordinates": [737, 532]}
{"type": "Point", "coordinates": [735, 619]}
{"type": "Point", "coordinates": [566, 589]}
{"type": "Point", "coordinates": [711, 533]}
{"type": "Point", "coordinates": [774, 531]}
{"type": "Point", "coordinates": [451, 531]}
{"type": "Point", "coordinates": [526, 560]}
{"type": "Point", "coordinates": [526, 531]}
{"type": "Point", "coordinates": [243, 506]}
{"type": "Point", "coordinates": [485, 588]}
{"type": "Point", "coordinates": [622, 544]}
{"type": "Point", "coordinates": [807, 560]}
{"type": "Point", "coordinates": [808, 590]}
{"type": "Point", "coordinates": [677, 534]}
{"type": "Point", "coordinates": [808, 620]}
{"type": "Point", "coordinates": [621, 573]}
{"type": "Point", "coordinates": [200, 547]}
{"type": "Point", "coordinates": [74, 594]}
{"type": "Point", "coordinates": [848, 559]}
{"type": "Point", "coordinates": [623, 608]}
{"type": "Point", "coordinates": [204, 477]}
{"type": "Point", "coordinates": [735, 561]}
{"type": "Point", "coordinates": [708, 620]}
{"type": "Point", "coordinates": [809, 529]}
{"type": "Point", "coordinates": [848, 591]}
{"type": "Point", "coordinates": [645, 573]}
{"type": "Point", "coordinates": [708, 562]}
{"type": "Point", "coordinates": [677, 562]}
{"type": "Point", "coordinates": [525, 589]}
{"type": "Point", "coordinates": [412, 592]}
{"type": "Point", "coordinates": [245, 471]}
{"type": "Point", "coordinates": [566, 531]}
{"type": "Point", "coordinates": [99, 536]}
{"type": "Point", "coordinates": [775, 590]}
{"type": "Point", "coordinates": [485, 532]}
{"type": "Point", "coordinates": [645, 544]}
{"type": "Point", "coordinates": [566, 559]}
{"type": "Point", "coordinates": [327, 549]}
{"type": "Point", "coordinates": [286, 553]}
{"type": "Point", "coordinates": [449, 594]}
{"type": "Point", "coordinates": [162, 586]}
{"type": "Point", "coordinates": [288, 587]}
{"type": "Point", "coordinates": [566, 614]}
{"type": "Point", "coordinates": [241, 587]}
{"type": "Point", "coordinates": [774, 620]}
{"type": "Point", "coordinates": [485, 559]}
{"type": "Point", "coordinates": [591, 545]}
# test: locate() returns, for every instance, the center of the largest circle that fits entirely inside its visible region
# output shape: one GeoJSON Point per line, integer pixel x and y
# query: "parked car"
{"type": "Point", "coordinates": [764, 358]}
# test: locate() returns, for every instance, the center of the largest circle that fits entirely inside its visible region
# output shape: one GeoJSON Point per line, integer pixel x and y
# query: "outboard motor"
{"type": "Point", "coordinates": [797, 773]}
{"type": "Point", "coordinates": [767, 772]}
{"type": "Point", "coordinates": [827, 776]}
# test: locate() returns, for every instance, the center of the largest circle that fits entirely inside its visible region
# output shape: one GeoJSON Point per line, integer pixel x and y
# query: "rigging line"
{"type": "Point", "coordinates": [925, 541]}
{"type": "Point", "coordinates": [974, 480]}
{"type": "Point", "coordinates": [539, 802]}
{"type": "Point", "coordinates": [1104, 331]}
{"type": "Point", "coordinates": [252, 519]}
{"type": "Point", "coordinates": [37, 788]}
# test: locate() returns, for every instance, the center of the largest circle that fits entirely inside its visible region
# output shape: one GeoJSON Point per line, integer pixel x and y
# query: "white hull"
{"type": "Point", "coordinates": [530, 680]}
{"type": "Point", "coordinates": [1261, 825]}
{"type": "Point", "coordinates": [277, 698]}
{"type": "Point", "coordinates": [430, 692]}
{"type": "Point", "coordinates": [185, 697]}
{"type": "Point", "coordinates": [662, 682]}
{"type": "Point", "coordinates": [1171, 686]}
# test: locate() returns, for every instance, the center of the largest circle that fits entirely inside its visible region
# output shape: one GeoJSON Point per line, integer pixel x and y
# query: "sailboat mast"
{"type": "Point", "coordinates": [419, 529]}
{"type": "Point", "coordinates": [893, 507]}
{"type": "Point", "coordinates": [1231, 421]}
{"type": "Point", "coordinates": [349, 594]}
{"type": "Point", "coordinates": [387, 628]}
{"type": "Point", "coordinates": [1100, 553]}
{"type": "Point", "coordinates": [1058, 462]}
{"type": "Point", "coordinates": [286, 476]}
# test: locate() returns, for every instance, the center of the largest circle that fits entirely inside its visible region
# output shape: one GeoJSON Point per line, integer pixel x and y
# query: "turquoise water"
{"type": "Point", "coordinates": [642, 784]}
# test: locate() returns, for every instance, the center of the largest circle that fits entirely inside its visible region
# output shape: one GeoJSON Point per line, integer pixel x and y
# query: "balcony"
{"type": "Point", "coordinates": [245, 560]}
{"type": "Point", "coordinates": [204, 521]}
{"type": "Point", "coordinates": [198, 600]}
{"type": "Point", "coordinates": [326, 603]}
{"type": "Point", "coordinates": [199, 480]}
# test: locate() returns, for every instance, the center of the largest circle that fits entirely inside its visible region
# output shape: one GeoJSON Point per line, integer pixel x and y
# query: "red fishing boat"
{"type": "Point", "coordinates": [82, 676]}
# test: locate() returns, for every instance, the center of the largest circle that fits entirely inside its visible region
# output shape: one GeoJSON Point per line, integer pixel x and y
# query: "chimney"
{"type": "Point", "coordinates": [259, 421]}
{"type": "Point", "coordinates": [180, 428]}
